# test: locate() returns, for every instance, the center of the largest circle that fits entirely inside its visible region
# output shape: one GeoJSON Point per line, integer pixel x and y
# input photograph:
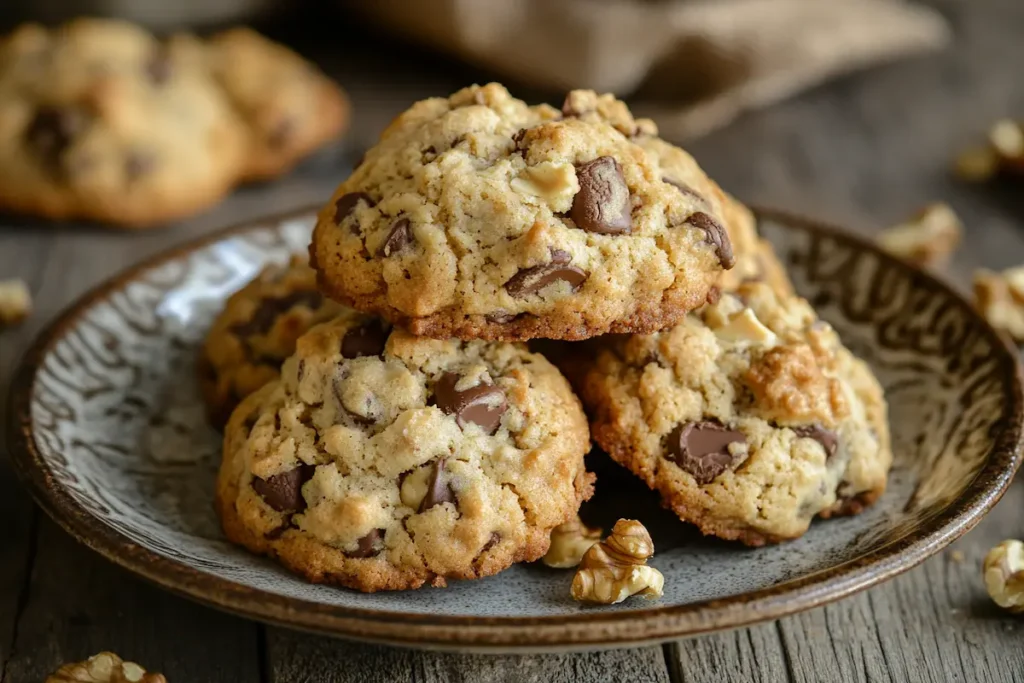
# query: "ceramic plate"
{"type": "Point", "coordinates": [109, 434]}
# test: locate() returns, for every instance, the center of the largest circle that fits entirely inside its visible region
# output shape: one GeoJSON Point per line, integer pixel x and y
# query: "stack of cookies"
{"type": "Point", "coordinates": [411, 437]}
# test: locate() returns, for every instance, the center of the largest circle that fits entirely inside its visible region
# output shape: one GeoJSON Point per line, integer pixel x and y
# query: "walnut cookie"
{"type": "Point", "coordinates": [257, 331]}
{"type": "Point", "coordinates": [100, 120]}
{"type": "Point", "coordinates": [749, 418]}
{"type": "Point", "coordinates": [383, 461]}
{"type": "Point", "coordinates": [478, 216]}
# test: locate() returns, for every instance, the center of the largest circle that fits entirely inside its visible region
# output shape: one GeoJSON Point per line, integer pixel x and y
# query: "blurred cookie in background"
{"type": "Point", "coordinates": [100, 120]}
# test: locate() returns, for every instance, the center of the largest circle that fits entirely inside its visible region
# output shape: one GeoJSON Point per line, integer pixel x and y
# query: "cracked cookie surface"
{"type": "Point", "coordinates": [477, 216]}
{"type": "Point", "coordinates": [383, 461]}
{"type": "Point", "coordinates": [750, 418]}
{"type": "Point", "coordinates": [257, 331]}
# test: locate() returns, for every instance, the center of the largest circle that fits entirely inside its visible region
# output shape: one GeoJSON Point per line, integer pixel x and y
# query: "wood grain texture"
{"type": "Point", "coordinates": [866, 151]}
{"type": "Point", "coordinates": [294, 657]}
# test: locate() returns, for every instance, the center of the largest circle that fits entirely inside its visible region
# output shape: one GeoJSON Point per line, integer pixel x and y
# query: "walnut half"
{"type": "Point", "coordinates": [106, 667]}
{"type": "Point", "coordinates": [1000, 298]}
{"type": "Point", "coordinates": [569, 542]}
{"type": "Point", "coordinates": [1004, 575]}
{"type": "Point", "coordinates": [15, 302]}
{"type": "Point", "coordinates": [616, 568]}
{"type": "Point", "coordinates": [927, 239]}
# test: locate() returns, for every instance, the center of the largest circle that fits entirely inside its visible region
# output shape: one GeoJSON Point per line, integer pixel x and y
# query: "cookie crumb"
{"type": "Point", "coordinates": [616, 568]}
{"type": "Point", "coordinates": [1004, 575]}
{"type": "Point", "coordinates": [15, 302]}
{"type": "Point", "coordinates": [999, 296]}
{"type": "Point", "coordinates": [105, 667]}
{"type": "Point", "coordinates": [957, 556]}
{"type": "Point", "coordinates": [927, 239]}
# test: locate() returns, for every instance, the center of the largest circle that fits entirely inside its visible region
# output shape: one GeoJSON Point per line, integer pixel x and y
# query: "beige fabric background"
{"type": "Point", "coordinates": [693, 65]}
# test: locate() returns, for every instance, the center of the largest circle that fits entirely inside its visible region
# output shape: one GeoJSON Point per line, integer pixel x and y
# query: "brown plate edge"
{"type": "Point", "coordinates": [587, 630]}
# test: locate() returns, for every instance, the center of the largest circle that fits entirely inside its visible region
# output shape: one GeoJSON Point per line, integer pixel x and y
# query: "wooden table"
{"type": "Point", "coordinates": [866, 151]}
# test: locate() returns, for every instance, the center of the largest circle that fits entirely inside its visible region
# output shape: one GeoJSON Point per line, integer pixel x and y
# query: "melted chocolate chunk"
{"type": "Point", "coordinates": [53, 130]}
{"type": "Point", "coordinates": [283, 492]}
{"type": "Point", "coordinates": [369, 545]}
{"type": "Point", "coordinates": [532, 280]}
{"type": "Point", "coordinates": [602, 204]}
{"type": "Point", "coordinates": [716, 235]}
{"type": "Point", "coordinates": [701, 448]}
{"type": "Point", "coordinates": [271, 308]}
{"type": "Point", "coordinates": [398, 239]}
{"type": "Point", "coordinates": [826, 437]}
{"type": "Point", "coordinates": [483, 405]}
{"type": "Point", "coordinates": [684, 188]}
{"type": "Point", "coordinates": [439, 488]}
{"type": "Point", "coordinates": [368, 340]}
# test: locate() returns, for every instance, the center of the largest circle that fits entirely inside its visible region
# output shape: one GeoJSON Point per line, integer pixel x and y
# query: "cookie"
{"type": "Point", "coordinates": [99, 120]}
{"type": "Point", "coordinates": [383, 461]}
{"type": "Point", "coordinates": [478, 216]}
{"type": "Point", "coordinates": [749, 418]}
{"type": "Point", "coordinates": [289, 106]}
{"type": "Point", "coordinates": [257, 331]}
{"type": "Point", "coordinates": [754, 256]}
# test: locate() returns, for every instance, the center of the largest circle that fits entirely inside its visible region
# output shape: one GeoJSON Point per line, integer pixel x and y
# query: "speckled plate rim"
{"type": "Point", "coordinates": [586, 630]}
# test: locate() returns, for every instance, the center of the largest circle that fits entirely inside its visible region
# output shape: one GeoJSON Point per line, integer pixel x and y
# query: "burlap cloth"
{"type": "Point", "coordinates": [692, 65]}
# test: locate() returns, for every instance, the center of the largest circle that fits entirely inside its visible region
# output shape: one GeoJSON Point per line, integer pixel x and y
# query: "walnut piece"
{"type": "Point", "coordinates": [569, 542]}
{"type": "Point", "coordinates": [1004, 151]}
{"type": "Point", "coordinates": [615, 568]}
{"type": "Point", "coordinates": [1000, 298]}
{"type": "Point", "coordinates": [1004, 575]}
{"type": "Point", "coordinates": [106, 667]}
{"type": "Point", "coordinates": [554, 182]}
{"type": "Point", "coordinates": [745, 328]}
{"type": "Point", "coordinates": [15, 302]}
{"type": "Point", "coordinates": [927, 239]}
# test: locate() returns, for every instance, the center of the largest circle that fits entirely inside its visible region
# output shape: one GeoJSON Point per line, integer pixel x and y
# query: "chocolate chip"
{"type": "Point", "coordinates": [532, 280]}
{"type": "Point", "coordinates": [271, 308]}
{"type": "Point", "coordinates": [137, 164]}
{"type": "Point", "coordinates": [517, 139]}
{"type": "Point", "coordinates": [283, 492]}
{"type": "Point", "coordinates": [158, 68]}
{"type": "Point", "coordinates": [52, 131]}
{"type": "Point", "coordinates": [701, 448]}
{"type": "Point", "coordinates": [397, 240]}
{"type": "Point", "coordinates": [684, 188]}
{"type": "Point", "coordinates": [716, 235]}
{"type": "Point", "coordinates": [347, 204]}
{"type": "Point", "coordinates": [439, 488]}
{"type": "Point", "coordinates": [491, 542]}
{"type": "Point", "coordinates": [368, 340]}
{"type": "Point", "coordinates": [826, 437]}
{"type": "Point", "coordinates": [602, 204]}
{"type": "Point", "coordinates": [369, 545]}
{"type": "Point", "coordinates": [482, 405]}
{"type": "Point", "coordinates": [714, 294]}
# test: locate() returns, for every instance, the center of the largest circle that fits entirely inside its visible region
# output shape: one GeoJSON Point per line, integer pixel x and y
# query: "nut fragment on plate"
{"type": "Point", "coordinates": [1004, 575]}
{"type": "Point", "coordinates": [1000, 298]}
{"type": "Point", "coordinates": [569, 542]}
{"type": "Point", "coordinates": [1003, 151]}
{"type": "Point", "coordinates": [928, 238]}
{"type": "Point", "coordinates": [616, 568]}
{"type": "Point", "coordinates": [106, 667]}
{"type": "Point", "coordinates": [15, 302]}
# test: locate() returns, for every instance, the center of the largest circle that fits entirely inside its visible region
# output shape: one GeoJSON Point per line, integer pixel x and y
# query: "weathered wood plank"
{"type": "Point", "coordinates": [750, 654]}
{"type": "Point", "coordinates": [299, 658]}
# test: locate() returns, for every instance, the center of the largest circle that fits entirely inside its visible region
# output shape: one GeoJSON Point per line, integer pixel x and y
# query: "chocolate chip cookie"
{"type": "Point", "coordinates": [749, 418]}
{"type": "Point", "coordinates": [383, 461]}
{"type": "Point", "coordinates": [754, 256]}
{"type": "Point", "coordinates": [101, 120]}
{"type": "Point", "coordinates": [256, 332]}
{"type": "Point", "coordinates": [477, 216]}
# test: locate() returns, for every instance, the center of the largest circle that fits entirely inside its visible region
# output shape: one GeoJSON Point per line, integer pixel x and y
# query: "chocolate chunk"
{"type": "Point", "coordinates": [368, 340]}
{"type": "Point", "coordinates": [684, 188]}
{"type": "Point", "coordinates": [714, 294]}
{"type": "Point", "coordinates": [439, 488]}
{"type": "Point", "coordinates": [716, 235]}
{"type": "Point", "coordinates": [347, 203]}
{"type": "Point", "coordinates": [158, 68]}
{"type": "Point", "coordinates": [602, 204]}
{"type": "Point", "coordinates": [52, 131]}
{"type": "Point", "coordinates": [482, 405]}
{"type": "Point", "coordinates": [701, 448]}
{"type": "Point", "coordinates": [283, 492]}
{"type": "Point", "coordinates": [369, 545]}
{"type": "Point", "coordinates": [826, 437]}
{"type": "Point", "coordinates": [273, 307]}
{"type": "Point", "coordinates": [397, 240]}
{"type": "Point", "coordinates": [532, 280]}
{"type": "Point", "coordinates": [517, 139]}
